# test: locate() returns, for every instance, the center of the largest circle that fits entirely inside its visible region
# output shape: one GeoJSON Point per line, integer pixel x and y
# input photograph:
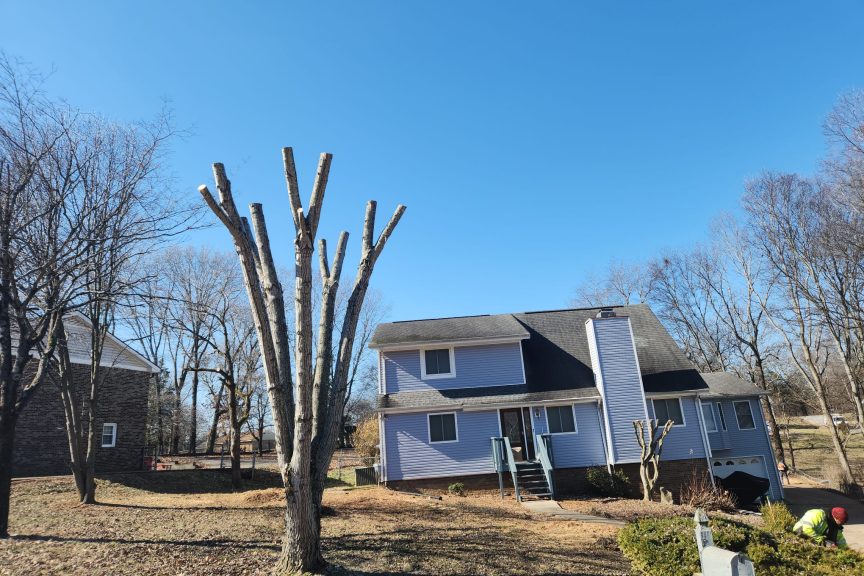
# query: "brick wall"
{"type": "Point", "coordinates": [41, 446]}
{"type": "Point", "coordinates": [568, 481]}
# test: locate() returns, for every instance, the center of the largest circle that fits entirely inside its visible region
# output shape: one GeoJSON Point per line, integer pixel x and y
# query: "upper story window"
{"type": "Point", "coordinates": [708, 417]}
{"type": "Point", "coordinates": [744, 414]}
{"type": "Point", "coordinates": [437, 363]}
{"type": "Point", "coordinates": [109, 435]}
{"type": "Point", "coordinates": [442, 428]}
{"type": "Point", "coordinates": [560, 419]}
{"type": "Point", "coordinates": [669, 409]}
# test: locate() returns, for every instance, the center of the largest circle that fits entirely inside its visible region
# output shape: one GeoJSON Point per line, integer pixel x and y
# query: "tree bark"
{"type": "Point", "coordinates": [7, 443]}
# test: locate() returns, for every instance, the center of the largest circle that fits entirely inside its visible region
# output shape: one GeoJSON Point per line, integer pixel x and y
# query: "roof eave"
{"type": "Point", "coordinates": [414, 345]}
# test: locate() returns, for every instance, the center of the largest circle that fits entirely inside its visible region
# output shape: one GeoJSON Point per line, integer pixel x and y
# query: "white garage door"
{"type": "Point", "coordinates": [753, 465]}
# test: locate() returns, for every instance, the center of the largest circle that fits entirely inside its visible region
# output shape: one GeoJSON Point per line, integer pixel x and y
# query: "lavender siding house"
{"type": "Point", "coordinates": [543, 396]}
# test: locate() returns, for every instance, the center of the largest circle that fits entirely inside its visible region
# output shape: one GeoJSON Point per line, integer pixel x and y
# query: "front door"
{"type": "Point", "coordinates": [513, 427]}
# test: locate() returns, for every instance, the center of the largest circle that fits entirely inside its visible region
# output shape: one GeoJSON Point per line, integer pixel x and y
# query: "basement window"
{"type": "Point", "coordinates": [109, 435]}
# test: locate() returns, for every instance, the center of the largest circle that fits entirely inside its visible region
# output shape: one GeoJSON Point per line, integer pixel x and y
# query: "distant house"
{"type": "Point", "coordinates": [566, 385]}
{"type": "Point", "coordinates": [41, 445]}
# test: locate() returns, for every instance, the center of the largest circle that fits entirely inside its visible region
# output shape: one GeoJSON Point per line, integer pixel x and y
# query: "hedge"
{"type": "Point", "coordinates": [667, 547]}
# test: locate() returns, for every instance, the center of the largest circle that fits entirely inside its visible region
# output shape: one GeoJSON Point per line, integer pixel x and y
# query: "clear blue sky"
{"type": "Point", "coordinates": [533, 142]}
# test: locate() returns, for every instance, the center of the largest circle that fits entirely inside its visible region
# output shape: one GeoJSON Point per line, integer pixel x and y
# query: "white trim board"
{"type": "Point", "coordinates": [449, 343]}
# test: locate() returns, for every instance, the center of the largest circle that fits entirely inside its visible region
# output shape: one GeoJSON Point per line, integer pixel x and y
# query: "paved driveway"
{"type": "Point", "coordinates": [801, 499]}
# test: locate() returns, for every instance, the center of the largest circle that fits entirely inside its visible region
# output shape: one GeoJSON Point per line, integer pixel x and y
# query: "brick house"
{"type": "Point", "coordinates": [41, 445]}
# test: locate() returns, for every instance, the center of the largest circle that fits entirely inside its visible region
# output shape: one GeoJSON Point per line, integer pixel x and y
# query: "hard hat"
{"type": "Point", "coordinates": [840, 515]}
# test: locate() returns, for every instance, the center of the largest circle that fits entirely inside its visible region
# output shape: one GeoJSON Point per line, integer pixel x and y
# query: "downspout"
{"type": "Point", "coordinates": [383, 451]}
{"type": "Point", "coordinates": [603, 434]}
{"type": "Point", "coordinates": [706, 444]}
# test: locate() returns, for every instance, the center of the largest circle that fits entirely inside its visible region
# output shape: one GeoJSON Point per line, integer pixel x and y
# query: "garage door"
{"type": "Point", "coordinates": [753, 465]}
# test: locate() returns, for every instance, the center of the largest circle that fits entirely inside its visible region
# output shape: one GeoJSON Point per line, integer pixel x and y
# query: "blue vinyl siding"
{"type": "Point", "coordinates": [682, 442]}
{"type": "Point", "coordinates": [410, 455]}
{"type": "Point", "coordinates": [748, 442]}
{"type": "Point", "coordinates": [585, 448]}
{"type": "Point", "coordinates": [615, 360]}
{"type": "Point", "coordinates": [492, 365]}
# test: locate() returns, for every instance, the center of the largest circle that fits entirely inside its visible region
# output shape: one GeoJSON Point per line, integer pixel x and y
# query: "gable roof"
{"type": "Point", "coordinates": [115, 352]}
{"type": "Point", "coordinates": [450, 330]}
{"type": "Point", "coordinates": [556, 355]}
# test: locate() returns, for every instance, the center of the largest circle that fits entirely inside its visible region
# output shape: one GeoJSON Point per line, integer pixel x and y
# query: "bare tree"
{"type": "Point", "coordinates": [651, 448]}
{"type": "Point", "coordinates": [622, 284]}
{"type": "Point", "coordinates": [307, 409]}
{"type": "Point", "coordinates": [781, 220]}
{"type": "Point", "coordinates": [259, 415]}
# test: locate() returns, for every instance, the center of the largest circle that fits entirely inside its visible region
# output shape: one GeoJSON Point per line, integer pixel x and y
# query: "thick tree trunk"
{"type": "Point", "coordinates": [7, 442]}
{"type": "Point", "coordinates": [768, 409]}
{"type": "Point", "coordinates": [236, 478]}
{"type": "Point", "coordinates": [214, 426]}
{"type": "Point", "coordinates": [193, 424]}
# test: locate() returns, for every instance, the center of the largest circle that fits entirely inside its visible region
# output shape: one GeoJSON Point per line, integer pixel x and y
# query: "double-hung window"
{"type": "Point", "coordinates": [668, 409]}
{"type": "Point", "coordinates": [437, 363]}
{"type": "Point", "coordinates": [744, 414]}
{"type": "Point", "coordinates": [109, 435]}
{"type": "Point", "coordinates": [560, 419]}
{"type": "Point", "coordinates": [442, 428]}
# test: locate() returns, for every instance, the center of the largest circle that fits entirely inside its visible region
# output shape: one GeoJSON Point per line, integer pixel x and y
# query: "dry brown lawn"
{"type": "Point", "coordinates": [191, 523]}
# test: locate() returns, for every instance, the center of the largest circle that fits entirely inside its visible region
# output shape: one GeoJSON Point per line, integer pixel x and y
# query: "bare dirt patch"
{"type": "Point", "coordinates": [191, 523]}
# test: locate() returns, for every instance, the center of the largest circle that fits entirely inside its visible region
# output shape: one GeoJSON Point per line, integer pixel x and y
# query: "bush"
{"type": "Point", "coordinates": [667, 547]}
{"type": "Point", "coordinates": [602, 483]}
{"type": "Point", "coordinates": [366, 440]}
{"type": "Point", "coordinates": [457, 489]}
{"type": "Point", "coordinates": [700, 493]}
{"type": "Point", "coordinates": [776, 518]}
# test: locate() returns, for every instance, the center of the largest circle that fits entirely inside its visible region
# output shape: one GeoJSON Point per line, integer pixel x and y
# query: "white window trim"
{"type": "Point", "coordinates": [425, 376]}
{"type": "Point", "coordinates": [113, 435]}
{"type": "Point", "coordinates": [429, 427]}
{"type": "Point", "coordinates": [738, 419]}
{"type": "Point", "coordinates": [708, 405]}
{"type": "Point", "coordinates": [549, 428]}
{"type": "Point", "coordinates": [680, 407]}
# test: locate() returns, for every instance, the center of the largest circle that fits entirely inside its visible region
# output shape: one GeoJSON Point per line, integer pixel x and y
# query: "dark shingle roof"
{"type": "Point", "coordinates": [557, 359]}
{"type": "Point", "coordinates": [726, 384]}
{"type": "Point", "coordinates": [499, 326]}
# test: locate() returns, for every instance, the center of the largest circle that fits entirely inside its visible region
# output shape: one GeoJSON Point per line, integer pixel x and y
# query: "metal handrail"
{"type": "Point", "coordinates": [500, 448]}
{"type": "Point", "coordinates": [544, 453]}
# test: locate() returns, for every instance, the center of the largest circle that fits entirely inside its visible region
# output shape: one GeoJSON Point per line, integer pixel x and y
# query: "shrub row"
{"type": "Point", "coordinates": [667, 547]}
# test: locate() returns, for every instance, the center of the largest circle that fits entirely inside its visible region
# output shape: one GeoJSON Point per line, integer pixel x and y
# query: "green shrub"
{"type": "Point", "coordinates": [457, 489]}
{"type": "Point", "coordinates": [776, 518]}
{"type": "Point", "coordinates": [602, 483]}
{"type": "Point", "coordinates": [667, 547]}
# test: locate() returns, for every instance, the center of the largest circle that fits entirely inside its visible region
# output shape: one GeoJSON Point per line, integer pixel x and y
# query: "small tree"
{"type": "Point", "coordinates": [652, 447]}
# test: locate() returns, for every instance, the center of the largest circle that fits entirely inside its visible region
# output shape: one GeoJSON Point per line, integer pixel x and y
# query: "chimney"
{"type": "Point", "coordinates": [606, 313]}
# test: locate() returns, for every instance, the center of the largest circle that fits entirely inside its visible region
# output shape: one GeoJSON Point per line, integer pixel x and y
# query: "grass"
{"type": "Point", "coordinates": [192, 523]}
{"type": "Point", "coordinates": [814, 452]}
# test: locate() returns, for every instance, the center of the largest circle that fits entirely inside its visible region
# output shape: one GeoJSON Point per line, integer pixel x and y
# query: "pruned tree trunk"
{"type": "Point", "coordinates": [305, 423]}
{"type": "Point", "coordinates": [651, 449]}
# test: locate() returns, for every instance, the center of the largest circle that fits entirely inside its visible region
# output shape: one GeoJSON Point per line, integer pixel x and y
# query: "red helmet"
{"type": "Point", "coordinates": [840, 515]}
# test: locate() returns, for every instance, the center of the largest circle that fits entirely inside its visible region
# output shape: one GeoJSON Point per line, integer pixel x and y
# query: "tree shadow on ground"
{"type": "Point", "coordinates": [194, 481]}
{"type": "Point", "coordinates": [209, 543]}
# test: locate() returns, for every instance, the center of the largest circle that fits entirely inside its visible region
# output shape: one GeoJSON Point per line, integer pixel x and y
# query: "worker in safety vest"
{"type": "Point", "coordinates": [823, 528]}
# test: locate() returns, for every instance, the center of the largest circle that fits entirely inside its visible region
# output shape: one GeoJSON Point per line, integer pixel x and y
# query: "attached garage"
{"type": "Point", "coordinates": [753, 465]}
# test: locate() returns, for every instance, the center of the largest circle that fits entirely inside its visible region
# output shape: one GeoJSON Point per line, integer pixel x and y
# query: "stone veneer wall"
{"type": "Point", "coordinates": [41, 445]}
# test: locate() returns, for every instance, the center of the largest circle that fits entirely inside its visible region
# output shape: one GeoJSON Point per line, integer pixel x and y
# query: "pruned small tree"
{"type": "Point", "coordinates": [306, 403]}
{"type": "Point", "coordinates": [652, 448]}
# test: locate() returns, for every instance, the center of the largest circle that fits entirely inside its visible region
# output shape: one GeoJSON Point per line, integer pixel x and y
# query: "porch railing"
{"type": "Point", "coordinates": [545, 456]}
{"type": "Point", "coordinates": [502, 456]}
